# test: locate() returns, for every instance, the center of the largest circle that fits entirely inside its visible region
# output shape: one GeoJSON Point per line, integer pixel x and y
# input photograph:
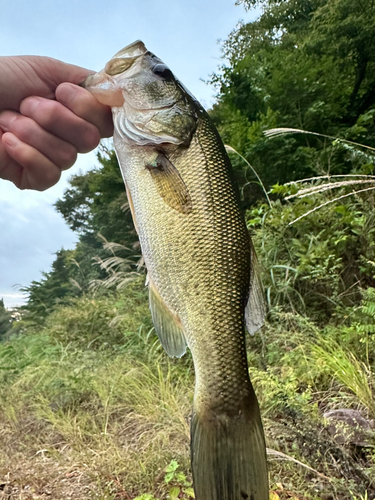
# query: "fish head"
{"type": "Point", "coordinates": [149, 104]}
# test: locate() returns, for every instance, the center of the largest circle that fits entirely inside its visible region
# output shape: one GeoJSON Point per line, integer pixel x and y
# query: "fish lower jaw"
{"type": "Point", "coordinates": [104, 90]}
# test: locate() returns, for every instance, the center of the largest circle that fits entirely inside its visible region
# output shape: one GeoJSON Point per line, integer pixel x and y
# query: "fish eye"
{"type": "Point", "coordinates": [163, 71]}
{"type": "Point", "coordinates": [118, 65]}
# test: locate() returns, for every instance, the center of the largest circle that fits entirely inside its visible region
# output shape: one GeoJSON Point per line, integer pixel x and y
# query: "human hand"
{"type": "Point", "coordinates": [45, 119]}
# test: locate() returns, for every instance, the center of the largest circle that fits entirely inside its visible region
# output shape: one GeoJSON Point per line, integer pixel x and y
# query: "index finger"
{"type": "Point", "coordinates": [83, 104]}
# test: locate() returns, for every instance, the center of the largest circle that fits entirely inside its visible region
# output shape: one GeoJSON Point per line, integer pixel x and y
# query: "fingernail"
{"type": "Point", "coordinates": [10, 139]}
{"type": "Point", "coordinates": [65, 92]}
{"type": "Point", "coordinates": [4, 121]}
{"type": "Point", "coordinates": [31, 103]}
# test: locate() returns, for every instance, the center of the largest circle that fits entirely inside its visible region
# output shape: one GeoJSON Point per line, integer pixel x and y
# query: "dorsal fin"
{"type": "Point", "coordinates": [256, 308]}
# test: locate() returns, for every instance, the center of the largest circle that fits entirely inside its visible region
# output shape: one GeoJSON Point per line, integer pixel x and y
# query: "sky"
{"type": "Point", "coordinates": [183, 33]}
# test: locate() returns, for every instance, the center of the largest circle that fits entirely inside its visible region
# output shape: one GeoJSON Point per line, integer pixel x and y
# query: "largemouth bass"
{"type": "Point", "coordinates": [197, 252]}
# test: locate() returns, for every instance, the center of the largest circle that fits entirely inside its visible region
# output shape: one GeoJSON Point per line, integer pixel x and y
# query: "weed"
{"type": "Point", "coordinates": [176, 484]}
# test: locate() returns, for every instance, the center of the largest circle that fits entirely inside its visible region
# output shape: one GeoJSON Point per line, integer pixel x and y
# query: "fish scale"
{"type": "Point", "coordinates": [197, 251]}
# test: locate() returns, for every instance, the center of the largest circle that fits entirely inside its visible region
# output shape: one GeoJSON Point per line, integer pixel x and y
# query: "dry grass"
{"type": "Point", "coordinates": [82, 423]}
{"type": "Point", "coordinates": [91, 425]}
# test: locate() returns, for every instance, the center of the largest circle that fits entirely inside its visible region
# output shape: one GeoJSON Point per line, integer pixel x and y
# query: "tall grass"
{"type": "Point", "coordinates": [94, 393]}
{"type": "Point", "coordinates": [115, 411]}
{"type": "Point", "coordinates": [344, 366]}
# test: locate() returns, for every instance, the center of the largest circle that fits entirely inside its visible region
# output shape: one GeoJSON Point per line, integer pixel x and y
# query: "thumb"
{"type": "Point", "coordinates": [25, 76]}
{"type": "Point", "coordinates": [56, 72]}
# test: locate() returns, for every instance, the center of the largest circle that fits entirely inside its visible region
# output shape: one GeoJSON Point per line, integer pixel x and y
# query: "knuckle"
{"type": "Point", "coordinates": [15, 123]}
{"type": "Point", "coordinates": [68, 157]}
{"type": "Point", "coordinates": [47, 114]}
{"type": "Point", "coordinates": [89, 139]}
{"type": "Point", "coordinates": [23, 128]}
{"type": "Point", "coordinates": [8, 118]}
{"type": "Point", "coordinates": [44, 111]}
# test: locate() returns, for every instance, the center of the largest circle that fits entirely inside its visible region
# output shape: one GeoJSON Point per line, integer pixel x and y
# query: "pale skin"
{"type": "Point", "coordinates": [46, 119]}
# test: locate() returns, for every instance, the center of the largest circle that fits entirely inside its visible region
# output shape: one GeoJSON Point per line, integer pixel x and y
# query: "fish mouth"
{"type": "Point", "coordinates": [135, 49]}
{"type": "Point", "coordinates": [102, 84]}
{"type": "Point", "coordinates": [104, 89]}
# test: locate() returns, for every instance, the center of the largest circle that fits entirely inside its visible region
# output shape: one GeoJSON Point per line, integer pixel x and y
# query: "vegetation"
{"type": "Point", "coordinates": [92, 408]}
{"type": "Point", "coordinates": [5, 320]}
{"type": "Point", "coordinates": [304, 64]}
{"type": "Point", "coordinates": [96, 208]}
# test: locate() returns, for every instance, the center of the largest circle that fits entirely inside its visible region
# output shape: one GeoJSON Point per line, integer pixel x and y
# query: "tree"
{"type": "Point", "coordinates": [55, 288]}
{"type": "Point", "coordinates": [5, 320]}
{"type": "Point", "coordinates": [306, 64]}
{"type": "Point", "coordinates": [95, 207]}
{"type": "Point", "coordinates": [96, 204]}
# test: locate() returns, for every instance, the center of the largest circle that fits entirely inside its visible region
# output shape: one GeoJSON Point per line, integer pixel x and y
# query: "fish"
{"type": "Point", "coordinates": [199, 258]}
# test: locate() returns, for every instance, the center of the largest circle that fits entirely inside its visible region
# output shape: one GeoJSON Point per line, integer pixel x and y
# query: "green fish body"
{"type": "Point", "coordinates": [198, 256]}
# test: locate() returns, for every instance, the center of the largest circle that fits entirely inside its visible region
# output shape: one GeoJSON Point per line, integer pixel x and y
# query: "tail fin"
{"type": "Point", "coordinates": [228, 457]}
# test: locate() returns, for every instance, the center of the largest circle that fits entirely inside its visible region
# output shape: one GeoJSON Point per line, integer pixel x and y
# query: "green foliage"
{"type": "Point", "coordinates": [280, 392]}
{"type": "Point", "coordinates": [346, 368]}
{"type": "Point", "coordinates": [314, 264]}
{"type": "Point", "coordinates": [303, 64]}
{"type": "Point", "coordinates": [176, 482]}
{"type": "Point", "coordinates": [104, 322]}
{"type": "Point", "coordinates": [366, 326]}
{"type": "Point", "coordinates": [96, 208]}
{"type": "Point", "coordinates": [5, 320]}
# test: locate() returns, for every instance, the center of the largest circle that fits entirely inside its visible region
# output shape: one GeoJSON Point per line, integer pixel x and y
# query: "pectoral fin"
{"type": "Point", "coordinates": [256, 309]}
{"type": "Point", "coordinates": [167, 325]}
{"type": "Point", "coordinates": [169, 184]}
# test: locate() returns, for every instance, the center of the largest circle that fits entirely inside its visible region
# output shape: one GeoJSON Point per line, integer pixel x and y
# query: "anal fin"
{"type": "Point", "coordinates": [167, 325]}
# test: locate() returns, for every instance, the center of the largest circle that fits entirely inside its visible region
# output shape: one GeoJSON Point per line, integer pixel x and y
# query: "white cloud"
{"type": "Point", "coordinates": [13, 299]}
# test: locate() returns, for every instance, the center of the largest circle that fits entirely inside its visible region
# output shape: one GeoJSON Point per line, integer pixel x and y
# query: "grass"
{"type": "Point", "coordinates": [92, 408]}
{"type": "Point", "coordinates": [112, 413]}
{"type": "Point", "coordinates": [342, 365]}
{"type": "Point", "coordinates": [105, 417]}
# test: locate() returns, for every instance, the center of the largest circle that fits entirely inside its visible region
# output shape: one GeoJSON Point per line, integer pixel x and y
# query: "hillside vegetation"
{"type": "Point", "coordinates": [90, 405]}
